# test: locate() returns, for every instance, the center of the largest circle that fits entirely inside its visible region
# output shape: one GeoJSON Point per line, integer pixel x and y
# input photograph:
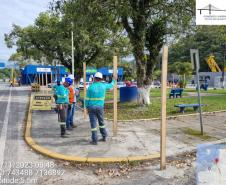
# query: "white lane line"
{"type": "Point", "coordinates": [4, 132]}
{"type": "Point", "coordinates": [2, 96]}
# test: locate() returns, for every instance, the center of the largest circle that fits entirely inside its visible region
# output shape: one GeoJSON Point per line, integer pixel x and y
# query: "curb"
{"type": "Point", "coordinates": [46, 152]}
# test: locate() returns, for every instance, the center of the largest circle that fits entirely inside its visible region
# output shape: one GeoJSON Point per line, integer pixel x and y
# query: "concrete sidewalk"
{"type": "Point", "coordinates": [137, 138]}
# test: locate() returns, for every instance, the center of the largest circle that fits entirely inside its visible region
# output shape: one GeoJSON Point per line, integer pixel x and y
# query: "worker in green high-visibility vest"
{"type": "Point", "coordinates": [62, 100]}
{"type": "Point", "coordinates": [94, 102]}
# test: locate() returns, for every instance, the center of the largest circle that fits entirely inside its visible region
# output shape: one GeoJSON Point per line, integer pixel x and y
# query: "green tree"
{"type": "Point", "coordinates": [128, 68]}
{"type": "Point", "coordinates": [5, 73]}
{"type": "Point", "coordinates": [50, 37]}
{"type": "Point", "coordinates": [95, 32]}
{"type": "Point", "coordinates": [208, 40]}
{"type": "Point", "coordinates": [147, 23]}
{"type": "Point", "coordinates": [183, 69]}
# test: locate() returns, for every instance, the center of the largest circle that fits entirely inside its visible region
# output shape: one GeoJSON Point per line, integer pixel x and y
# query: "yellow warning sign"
{"type": "Point", "coordinates": [42, 102]}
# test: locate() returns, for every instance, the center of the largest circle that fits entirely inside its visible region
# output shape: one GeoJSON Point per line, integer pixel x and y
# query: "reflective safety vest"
{"type": "Point", "coordinates": [96, 93]}
{"type": "Point", "coordinates": [61, 94]}
{"type": "Point", "coordinates": [71, 94]}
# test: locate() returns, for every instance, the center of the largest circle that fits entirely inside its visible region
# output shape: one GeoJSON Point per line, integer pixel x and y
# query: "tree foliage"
{"type": "Point", "coordinates": [50, 36]}
{"type": "Point", "coordinates": [101, 27]}
{"type": "Point", "coordinates": [147, 23]}
{"type": "Point", "coordinates": [5, 73]}
{"type": "Point", "coordinates": [208, 40]}
{"type": "Point", "coordinates": [181, 68]}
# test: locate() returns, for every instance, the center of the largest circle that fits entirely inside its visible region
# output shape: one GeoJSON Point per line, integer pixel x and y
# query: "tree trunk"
{"type": "Point", "coordinates": [144, 95]}
{"type": "Point", "coordinates": [143, 83]}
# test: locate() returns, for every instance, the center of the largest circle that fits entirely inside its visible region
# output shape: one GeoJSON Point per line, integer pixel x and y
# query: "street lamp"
{"type": "Point", "coordinates": [72, 50]}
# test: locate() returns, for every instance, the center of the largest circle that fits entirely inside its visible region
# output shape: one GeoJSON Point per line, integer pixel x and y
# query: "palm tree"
{"type": "Point", "coordinates": [182, 69]}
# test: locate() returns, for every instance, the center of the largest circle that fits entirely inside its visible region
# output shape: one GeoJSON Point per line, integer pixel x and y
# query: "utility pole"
{"type": "Point", "coordinates": [224, 55]}
{"type": "Point", "coordinates": [195, 65]}
{"type": "Point", "coordinates": [72, 51]}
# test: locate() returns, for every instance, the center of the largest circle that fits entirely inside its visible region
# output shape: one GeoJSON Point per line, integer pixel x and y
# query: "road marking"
{"type": "Point", "coordinates": [4, 132]}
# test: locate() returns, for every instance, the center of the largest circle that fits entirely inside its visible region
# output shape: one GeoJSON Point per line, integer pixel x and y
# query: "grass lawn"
{"type": "Point", "coordinates": [153, 93]}
{"type": "Point", "coordinates": [196, 133]}
{"type": "Point", "coordinates": [127, 111]}
{"type": "Point", "coordinates": [211, 91]}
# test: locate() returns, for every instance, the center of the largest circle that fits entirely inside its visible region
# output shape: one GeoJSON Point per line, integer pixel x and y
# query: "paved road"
{"type": "Point", "coordinates": [13, 104]}
{"type": "Point", "coordinates": [20, 165]}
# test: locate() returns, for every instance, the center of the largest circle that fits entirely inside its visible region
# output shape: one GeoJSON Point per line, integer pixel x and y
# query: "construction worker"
{"type": "Point", "coordinates": [76, 96]}
{"type": "Point", "coordinates": [61, 97]}
{"type": "Point", "coordinates": [69, 121]}
{"type": "Point", "coordinates": [94, 102]}
{"type": "Point", "coordinates": [11, 83]}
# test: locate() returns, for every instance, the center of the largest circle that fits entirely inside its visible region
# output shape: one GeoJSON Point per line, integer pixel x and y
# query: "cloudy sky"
{"type": "Point", "coordinates": [20, 12]}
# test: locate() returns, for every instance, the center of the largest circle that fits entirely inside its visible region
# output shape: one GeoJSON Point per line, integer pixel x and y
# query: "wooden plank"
{"type": "Point", "coordinates": [163, 112]}
{"type": "Point", "coordinates": [115, 76]}
{"type": "Point", "coordinates": [84, 87]}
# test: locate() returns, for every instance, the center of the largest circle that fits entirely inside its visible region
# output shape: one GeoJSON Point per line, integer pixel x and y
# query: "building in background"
{"type": "Point", "coordinates": [106, 71]}
{"type": "Point", "coordinates": [35, 73]}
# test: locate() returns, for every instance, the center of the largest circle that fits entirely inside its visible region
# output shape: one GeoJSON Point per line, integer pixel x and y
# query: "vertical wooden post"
{"type": "Point", "coordinates": [51, 77]}
{"type": "Point", "coordinates": [46, 79]}
{"type": "Point", "coordinates": [12, 75]}
{"type": "Point", "coordinates": [163, 112]}
{"type": "Point", "coordinates": [115, 74]}
{"type": "Point", "coordinates": [42, 79]}
{"type": "Point", "coordinates": [84, 87]}
{"type": "Point", "coordinates": [39, 79]}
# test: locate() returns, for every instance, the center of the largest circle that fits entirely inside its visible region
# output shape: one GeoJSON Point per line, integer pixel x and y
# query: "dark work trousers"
{"type": "Point", "coordinates": [62, 113]}
{"type": "Point", "coordinates": [97, 113]}
{"type": "Point", "coordinates": [69, 122]}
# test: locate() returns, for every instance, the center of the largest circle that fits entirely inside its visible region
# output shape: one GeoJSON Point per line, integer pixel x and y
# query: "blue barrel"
{"type": "Point", "coordinates": [128, 94]}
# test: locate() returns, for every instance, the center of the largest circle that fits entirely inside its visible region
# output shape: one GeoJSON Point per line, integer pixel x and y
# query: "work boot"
{"type": "Point", "coordinates": [103, 139]}
{"type": "Point", "coordinates": [62, 131]}
{"type": "Point", "coordinates": [69, 128]}
{"type": "Point", "coordinates": [67, 133]}
{"type": "Point", "coordinates": [93, 142]}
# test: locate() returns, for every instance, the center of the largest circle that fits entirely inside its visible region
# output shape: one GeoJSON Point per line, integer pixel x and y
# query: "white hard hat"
{"type": "Point", "coordinates": [98, 75]}
{"type": "Point", "coordinates": [71, 76]}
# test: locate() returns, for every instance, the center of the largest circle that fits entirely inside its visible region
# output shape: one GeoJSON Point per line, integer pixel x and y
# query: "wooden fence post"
{"type": "Point", "coordinates": [115, 113]}
{"type": "Point", "coordinates": [163, 112]}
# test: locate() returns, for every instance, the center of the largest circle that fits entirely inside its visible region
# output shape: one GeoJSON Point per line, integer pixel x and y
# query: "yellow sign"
{"type": "Point", "coordinates": [42, 102]}
{"type": "Point", "coordinates": [224, 69]}
{"type": "Point", "coordinates": [35, 87]}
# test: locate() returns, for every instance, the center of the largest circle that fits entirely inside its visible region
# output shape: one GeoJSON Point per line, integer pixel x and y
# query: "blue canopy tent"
{"type": "Point", "coordinates": [106, 71]}
{"type": "Point", "coordinates": [31, 73]}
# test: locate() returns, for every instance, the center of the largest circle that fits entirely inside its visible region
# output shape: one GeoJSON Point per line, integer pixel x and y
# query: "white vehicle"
{"type": "Point", "coordinates": [81, 85]}
{"type": "Point", "coordinates": [120, 84]}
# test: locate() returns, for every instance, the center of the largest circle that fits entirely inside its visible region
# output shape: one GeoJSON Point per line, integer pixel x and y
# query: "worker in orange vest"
{"type": "Point", "coordinates": [68, 84]}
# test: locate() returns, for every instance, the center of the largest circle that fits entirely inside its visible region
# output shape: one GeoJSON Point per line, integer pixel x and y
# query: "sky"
{"type": "Point", "coordinates": [19, 12]}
